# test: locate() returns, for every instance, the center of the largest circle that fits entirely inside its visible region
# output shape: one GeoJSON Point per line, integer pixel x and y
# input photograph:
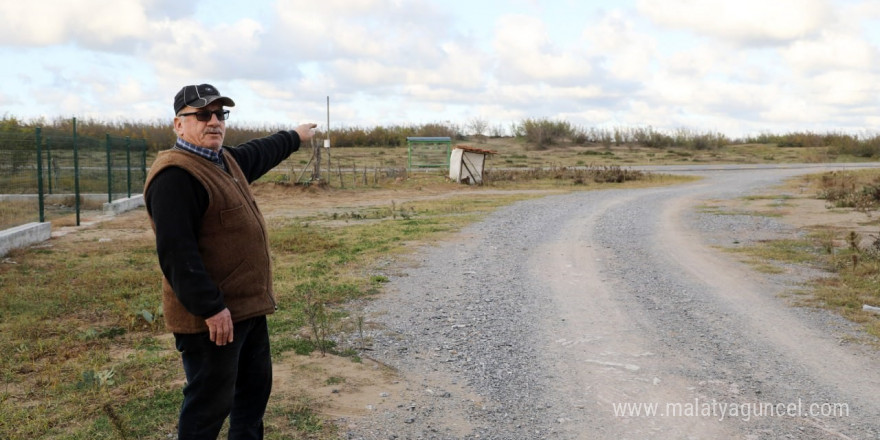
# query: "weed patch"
{"type": "Point", "coordinates": [851, 261]}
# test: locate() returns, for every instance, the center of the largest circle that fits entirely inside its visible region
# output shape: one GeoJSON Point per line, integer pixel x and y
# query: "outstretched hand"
{"type": "Point", "coordinates": [305, 131]}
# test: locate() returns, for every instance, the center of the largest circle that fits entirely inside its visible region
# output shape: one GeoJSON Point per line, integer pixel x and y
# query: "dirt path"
{"type": "Point", "coordinates": [707, 334]}
{"type": "Point", "coordinates": [598, 346]}
{"type": "Point", "coordinates": [608, 314]}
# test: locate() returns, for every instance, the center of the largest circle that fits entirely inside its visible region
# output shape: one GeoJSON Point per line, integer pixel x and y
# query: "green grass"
{"type": "Point", "coordinates": [718, 210]}
{"type": "Point", "coordinates": [69, 313]}
{"type": "Point", "coordinates": [786, 251]}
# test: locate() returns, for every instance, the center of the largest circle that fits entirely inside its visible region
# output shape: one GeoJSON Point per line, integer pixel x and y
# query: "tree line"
{"type": "Point", "coordinates": [537, 133]}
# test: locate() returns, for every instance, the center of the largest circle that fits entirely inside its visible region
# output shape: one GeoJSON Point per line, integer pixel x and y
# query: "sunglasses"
{"type": "Point", "coordinates": [205, 115]}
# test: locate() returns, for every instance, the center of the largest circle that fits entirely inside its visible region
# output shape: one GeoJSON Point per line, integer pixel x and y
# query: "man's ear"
{"type": "Point", "coordinates": [178, 125]}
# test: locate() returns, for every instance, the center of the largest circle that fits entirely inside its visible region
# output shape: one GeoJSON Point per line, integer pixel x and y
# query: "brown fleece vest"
{"type": "Point", "coordinates": [232, 241]}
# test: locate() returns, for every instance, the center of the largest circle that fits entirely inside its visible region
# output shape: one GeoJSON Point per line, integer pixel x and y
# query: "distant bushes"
{"type": "Point", "coordinates": [160, 135]}
{"type": "Point", "coordinates": [538, 133]}
{"type": "Point", "coordinates": [394, 136]}
{"type": "Point", "coordinates": [837, 143]}
{"type": "Point", "coordinates": [543, 133]}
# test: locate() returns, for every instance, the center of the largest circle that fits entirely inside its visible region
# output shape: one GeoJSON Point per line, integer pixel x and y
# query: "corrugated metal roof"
{"type": "Point", "coordinates": [475, 150]}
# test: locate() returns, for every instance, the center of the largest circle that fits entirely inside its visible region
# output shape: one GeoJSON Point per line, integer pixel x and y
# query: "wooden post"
{"type": "Point", "coordinates": [316, 175]}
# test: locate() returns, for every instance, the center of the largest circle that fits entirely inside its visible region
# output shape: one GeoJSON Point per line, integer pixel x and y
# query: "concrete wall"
{"type": "Point", "coordinates": [31, 233]}
{"type": "Point", "coordinates": [24, 235]}
{"type": "Point", "coordinates": [122, 205]}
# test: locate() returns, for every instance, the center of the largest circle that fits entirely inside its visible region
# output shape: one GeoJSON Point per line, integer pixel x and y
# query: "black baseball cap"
{"type": "Point", "coordinates": [199, 96]}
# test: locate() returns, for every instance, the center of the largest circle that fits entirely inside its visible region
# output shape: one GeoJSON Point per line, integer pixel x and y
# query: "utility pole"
{"type": "Point", "coordinates": [327, 139]}
{"type": "Point", "coordinates": [316, 148]}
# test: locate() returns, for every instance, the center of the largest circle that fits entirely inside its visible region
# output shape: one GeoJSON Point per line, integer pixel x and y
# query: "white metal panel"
{"type": "Point", "coordinates": [455, 165]}
{"type": "Point", "coordinates": [472, 167]}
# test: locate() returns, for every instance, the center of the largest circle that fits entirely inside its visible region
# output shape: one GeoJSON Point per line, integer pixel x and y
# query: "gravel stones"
{"type": "Point", "coordinates": [469, 325]}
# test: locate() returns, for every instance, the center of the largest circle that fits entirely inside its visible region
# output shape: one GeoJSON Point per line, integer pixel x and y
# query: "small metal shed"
{"type": "Point", "coordinates": [466, 164]}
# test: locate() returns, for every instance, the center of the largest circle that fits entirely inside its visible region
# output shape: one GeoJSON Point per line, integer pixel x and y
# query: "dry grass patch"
{"type": "Point", "coordinates": [842, 240]}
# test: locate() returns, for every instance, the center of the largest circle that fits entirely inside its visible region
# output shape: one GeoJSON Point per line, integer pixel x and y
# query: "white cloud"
{"type": "Point", "coordinates": [92, 23]}
{"type": "Point", "coordinates": [189, 49]}
{"type": "Point", "coordinates": [369, 73]}
{"type": "Point", "coordinates": [6, 100]}
{"type": "Point", "coordinates": [704, 63]}
{"type": "Point", "coordinates": [695, 62]}
{"type": "Point", "coordinates": [860, 10]}
{"type": "Point", "coordinates": [526, 53]}
{"type": "Point", "coordinates": [845, 88]}
{"type": "Point", "coordinates": [463, 67]}
{"type": "Point", "coordinates": [389, 30]}
{"type": "Point", "coordinates": [831, 50]}
{"type": "Point", "coordinates": [788, 110]}
{"type": "Point", "coordinates": [745, 21]}
{"type": "Point", "coordinates": [628, 54]}
{"type": "Point", "coordinates": [385, 48]}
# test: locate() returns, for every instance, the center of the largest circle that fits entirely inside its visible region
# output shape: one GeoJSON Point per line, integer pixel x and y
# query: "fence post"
{"type": "Point", "coordinates": [109, 170]}
{"type": "Point", "coordinates": [49, 164]}
{"type": "Point", "coordinates": [75, 173]}
{"type": "Point", "coordinates": [128, 163]}
{"type": "Point", "coordinates": [143, 161]}
{"type": "Point", "coordinates": [40, 201]}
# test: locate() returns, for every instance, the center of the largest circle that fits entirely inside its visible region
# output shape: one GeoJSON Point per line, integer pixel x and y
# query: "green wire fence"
{"type": "Point", "coordinates": [48, 174]}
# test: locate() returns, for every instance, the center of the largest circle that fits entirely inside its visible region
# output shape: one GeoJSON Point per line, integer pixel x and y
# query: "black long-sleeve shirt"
{"type": "Point", "coordinates": [177, 202]}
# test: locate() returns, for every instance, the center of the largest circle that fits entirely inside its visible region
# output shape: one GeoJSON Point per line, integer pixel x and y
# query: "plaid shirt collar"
{"type": "Point", "coordinates": [215, 156]}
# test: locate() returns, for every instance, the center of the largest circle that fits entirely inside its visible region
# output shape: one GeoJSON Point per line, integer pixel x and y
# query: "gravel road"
{"type": "Point", "coordinates": [562, 317]}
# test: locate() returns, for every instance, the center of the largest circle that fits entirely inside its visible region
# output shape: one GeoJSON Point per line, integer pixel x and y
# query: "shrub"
{"type": "Point", "coordinates": [542, 133]}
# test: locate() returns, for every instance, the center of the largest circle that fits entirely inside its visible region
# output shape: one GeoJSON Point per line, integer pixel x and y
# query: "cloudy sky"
{"type": "Point", "coordinates": [736, 67]}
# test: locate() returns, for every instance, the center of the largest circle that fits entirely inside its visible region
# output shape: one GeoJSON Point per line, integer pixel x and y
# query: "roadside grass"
{"type": "Point", "coordinates": [14, 213]}
{"type": "Point", "coordinates": [78, 344]}
{"type": "Point", "coordinates": [850, 258]}
{"type": "Point", "coordinates": [718, 210]}
{"type": "Point", "coordinates": [853, 274]}
{"type": "Point", "coordinates": [86, 355]}
{"type": "Point", "coordinates": [787, 251]}
{"type": "Point", "coordinates": [778, 201]}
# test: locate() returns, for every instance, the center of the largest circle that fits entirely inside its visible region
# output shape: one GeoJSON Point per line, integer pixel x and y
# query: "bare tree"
{"type": "Point", "coordinates": [478, 127]}
{"type": "Point", "coordinates": [498, 131]}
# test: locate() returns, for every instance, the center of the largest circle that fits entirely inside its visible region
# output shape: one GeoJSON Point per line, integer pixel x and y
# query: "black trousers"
{"type": "Point", "coordinates": [234, 380]}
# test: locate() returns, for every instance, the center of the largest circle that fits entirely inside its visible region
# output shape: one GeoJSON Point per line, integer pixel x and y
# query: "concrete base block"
{"type": "Point", "coordinates": [24, 235]}
{"type": "Point", "coordinates": [124, 205]}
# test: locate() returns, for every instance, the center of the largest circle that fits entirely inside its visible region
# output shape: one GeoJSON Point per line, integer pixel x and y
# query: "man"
{"type": "Point", "coordinates": [213, 250]}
